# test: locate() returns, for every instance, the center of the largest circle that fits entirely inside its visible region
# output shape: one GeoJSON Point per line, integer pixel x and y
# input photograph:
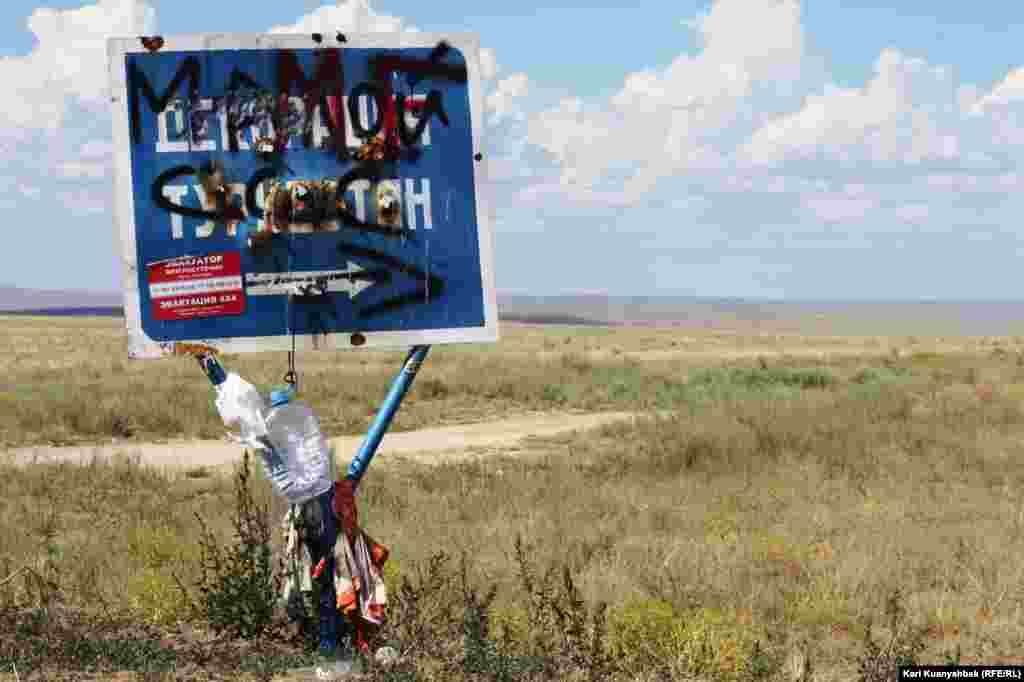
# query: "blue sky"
{"type": "Point", "coordinates": [729, 148]}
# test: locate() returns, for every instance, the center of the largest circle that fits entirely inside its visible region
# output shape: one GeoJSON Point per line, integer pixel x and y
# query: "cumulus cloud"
{"type": "Point", "coordinates": [839, 209]}
{"type": "Point", "coordinates": [30, 191]}
{"type": "Point", "coordinates": [1009, 91]}
{"type": "Point", "coordinates": [913, 213]}
{"type": "Point", "coordinates": [359, 16]}
{"type": "Point", "coordinates": [356, 16]}
{"type": "Point", "coordinates": [750, 114]}
{"type": "Point", "coordinates": [501, 102]}
{"type": "Point", "coordinates": [68, 62]}
{"type": "Point", "coordinates": [82, 201]}
{"type": "Point", "coordinates": [96, 149]}
{"type": "Point", "coordinates": [488, 64]}
{"type": "Point", "coordinates": [680, 118]}
{"type": "Point", "coordinates": [79, 170]}
{"type": "Point", "coordinates": [908, 112]}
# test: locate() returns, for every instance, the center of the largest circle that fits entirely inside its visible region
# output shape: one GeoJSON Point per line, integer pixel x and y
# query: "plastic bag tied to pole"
{"type": "Point", "coordinates": [238, 402]}
{"type": "Point", "coordinates": [285, 433]}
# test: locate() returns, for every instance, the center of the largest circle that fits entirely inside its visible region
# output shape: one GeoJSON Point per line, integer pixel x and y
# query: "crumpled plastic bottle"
{"type": "Point", "coordinates": [300, 464]}
{"type": "Point", "coordinates": [285, 433]}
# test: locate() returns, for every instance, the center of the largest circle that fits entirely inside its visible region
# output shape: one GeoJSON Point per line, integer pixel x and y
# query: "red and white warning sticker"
{"type": "Point", "coordinates": [196, 286]}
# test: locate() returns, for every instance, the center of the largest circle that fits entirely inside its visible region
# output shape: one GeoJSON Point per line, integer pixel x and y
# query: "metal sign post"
{"type": "Point", "coordinates": [387, 411]}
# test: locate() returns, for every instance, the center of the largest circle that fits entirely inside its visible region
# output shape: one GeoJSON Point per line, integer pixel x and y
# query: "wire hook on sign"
{"type": "Point", "coordinates": [290, 377]}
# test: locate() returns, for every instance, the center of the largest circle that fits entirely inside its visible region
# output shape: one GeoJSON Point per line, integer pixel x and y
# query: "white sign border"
{"type": "Point", "coordinates": [140, 345]}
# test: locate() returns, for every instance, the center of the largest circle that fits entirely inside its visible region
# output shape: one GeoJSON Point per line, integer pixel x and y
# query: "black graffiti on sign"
{"type": "Point", "coordinates": [247, 102]}
{"type": "Point", "coordinates": [432, 284]}
{"type": "Point", "coordinates": [137, 81]}
{"type": "Point", "coordinates": [329, 73]}
{"type": "Point", "coordinates": [223, 212]}
{"type": "Point", "coordinates": [381, 69]}
{"type": "Point", "coordinates": [226, 211]}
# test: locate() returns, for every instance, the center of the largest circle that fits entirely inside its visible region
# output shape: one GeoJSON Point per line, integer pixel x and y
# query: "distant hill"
{"type": "Point", "coordinates": [17, 299]}
{"type": "Point", "coordinates": [550, 318]}
{"type": "Point", "coordinates": [975, 318]}
{"type": "Point", "coordinates": [109, 311]}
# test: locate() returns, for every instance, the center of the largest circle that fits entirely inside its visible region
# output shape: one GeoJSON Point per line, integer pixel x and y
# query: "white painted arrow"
{"type": "Point", "coordinates": [307, 282]}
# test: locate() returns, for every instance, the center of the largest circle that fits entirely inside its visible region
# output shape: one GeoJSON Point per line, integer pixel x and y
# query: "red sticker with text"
{"type": "Point", "coordinates": [197, 286]}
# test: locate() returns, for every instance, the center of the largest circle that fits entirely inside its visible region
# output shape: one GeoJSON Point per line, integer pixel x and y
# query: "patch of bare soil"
{"type": "Point", "coordinates": [417, 444]}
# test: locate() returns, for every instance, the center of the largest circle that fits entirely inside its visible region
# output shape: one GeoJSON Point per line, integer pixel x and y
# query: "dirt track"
{"type": "Point", "coordinates": [423, 445]}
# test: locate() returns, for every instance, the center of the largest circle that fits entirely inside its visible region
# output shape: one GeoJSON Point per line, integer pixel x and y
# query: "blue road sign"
{"type": "Point", "coordinates": [278, 188]}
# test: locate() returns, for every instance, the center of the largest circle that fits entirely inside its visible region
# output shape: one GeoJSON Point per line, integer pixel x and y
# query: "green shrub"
{"type": "Point", "coordinates": [238, 583]}
{"type": "Point", "coordinates": [156, 596]}
{"type": "Point", "coordinates": [645, 631]}
{"type": "Point", "coordinates": [555, 393]}
{"type": "Point", "coordinates": [718, 385]}
{"type": "Point", "coordinates": [764, 378]}
{"type": "Point", "coordinates": [704, 641]}
{"type": "Point", "coordinates": [153, 592]}
{"type": "Point", "coordinates": [872, 375]}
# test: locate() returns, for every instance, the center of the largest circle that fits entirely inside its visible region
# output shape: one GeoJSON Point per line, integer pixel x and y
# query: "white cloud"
{"type": "Point", "coordinates": [501, 101]}
{"type": "Point", "coordinates": [671, 121]}
{"type": "Point", "coordinates": [68, 62]}
{"type": "Point", "coordinates": [960, 184]}
{"type": "Point", "coordinates": [578, 141]}
{"type": "Point", "coordinates": [913, 213]}
{"type": "Point", "coordinates": [96, 149]}
{"type": "Point", "coordinates": [30, 191]}
{"type": "Point", "coordinates": [358, 16]}
{"type": "Point", "coordinates": [910, 114]}
{"type": "Point", "coordinates": [838, 209]}
{"type": "Point", "coordinates": [910, 147]}
{"type": "Point", "coordinates": [78, 170]}
{"type": "Point", "coordinates": [1010, 181]}
{"type": "Point", "coordinates": [488, 64]}
{"type": "Point", "coordinates": [907, 113]}
{"type": "Point", "coordinates": [507, 168]}
{"type": "Point", "coordinates": [83, 202]}
{"type": "Point", "coordinates": [1009, 90]}
{"type": "Point", "coordinates": [355, 16]}
{"type": "Point", "coordinates": [759, 38]}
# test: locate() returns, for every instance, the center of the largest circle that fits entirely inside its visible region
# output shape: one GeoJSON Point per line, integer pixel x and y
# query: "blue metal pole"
{"type": "Point", "coordinates": [382, 421]}
{"type": "Point", "coordinates": [212, 368]}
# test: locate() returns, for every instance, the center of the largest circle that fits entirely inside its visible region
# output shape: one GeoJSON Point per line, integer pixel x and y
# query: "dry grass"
{"type": "Point", "coordinates": [778, 511]}
{"type": "Point", "coordinates": [69, 381]}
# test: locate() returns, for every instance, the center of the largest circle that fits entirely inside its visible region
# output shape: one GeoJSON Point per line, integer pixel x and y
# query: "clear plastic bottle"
{"type": "Point", "coordinates": [299, 467]}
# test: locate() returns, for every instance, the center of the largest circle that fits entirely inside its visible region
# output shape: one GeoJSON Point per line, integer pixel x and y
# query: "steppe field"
{"type": "Point", "coordinates": [578, 503]}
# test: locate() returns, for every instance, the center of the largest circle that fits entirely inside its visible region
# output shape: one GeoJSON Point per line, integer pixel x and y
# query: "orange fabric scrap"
{"type": "Point", "coordinates": [359, 569]}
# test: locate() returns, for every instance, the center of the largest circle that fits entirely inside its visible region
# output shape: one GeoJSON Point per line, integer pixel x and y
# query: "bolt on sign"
{"type": "Point", "coordinates": [313, 189]}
